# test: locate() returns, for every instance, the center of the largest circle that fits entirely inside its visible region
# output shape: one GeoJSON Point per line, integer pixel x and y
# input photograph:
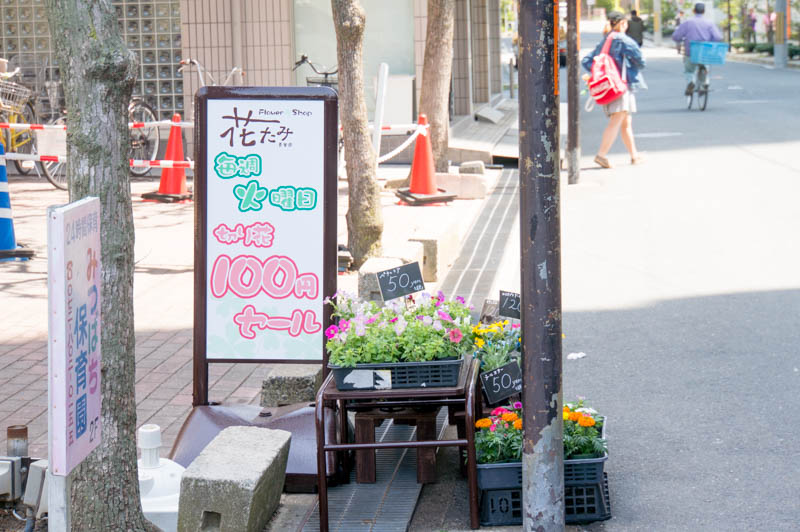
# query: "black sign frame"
{"type": "Point", "coordinates": [509, 305]}
{"type": "Point", "coordinates": [329, 204]}
{"type": "Point", "coordinates": [497, 390]}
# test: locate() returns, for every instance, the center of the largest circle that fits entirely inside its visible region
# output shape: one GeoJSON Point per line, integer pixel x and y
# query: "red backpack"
{"type": "Point", "coordinates": [605, 83]}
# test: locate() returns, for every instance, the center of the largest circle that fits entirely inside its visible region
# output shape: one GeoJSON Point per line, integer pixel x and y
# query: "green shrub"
{"type": "Point", "coordinates": [765, 47]}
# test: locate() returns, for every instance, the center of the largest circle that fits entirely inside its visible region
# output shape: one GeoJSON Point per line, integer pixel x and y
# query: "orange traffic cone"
{"type": "Point", "coordinates": [172, 187]}
{"type": "Point", "coordinates": [423, 169]}
{"type": "Point", "coordinates": [423, 189]}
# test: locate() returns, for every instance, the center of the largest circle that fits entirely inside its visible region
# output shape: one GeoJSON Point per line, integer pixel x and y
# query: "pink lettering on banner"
{"type": "Point", "coordinates": [300, 321]}
{"type": "Point", "coordinates": [260, 235]}
{"type": "Point", "coordinates": [276, 276]}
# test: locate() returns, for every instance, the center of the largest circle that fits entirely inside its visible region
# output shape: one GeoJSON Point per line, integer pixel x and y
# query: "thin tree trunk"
{"type": "Point", "coordinates": [436, 72]}
{"type": "Point", "coordinates": [97, 73]}
{"type": "Point", "coordinates": [364, 215]}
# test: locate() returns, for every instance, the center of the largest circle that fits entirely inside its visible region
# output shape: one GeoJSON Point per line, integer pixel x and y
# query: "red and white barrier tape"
{"type": "Point", "coordinates": [140, 125]}
{"type": "Point", "coordinates": [136, 163]}
{"type": "Point", "coordinates": [131, 125]}
{"type": "Point", "coordinates": [419, 130]}
{"type": "Point", "coordinates": [6, 125]}
{"type": "Point", "coordinates": [139, 163]}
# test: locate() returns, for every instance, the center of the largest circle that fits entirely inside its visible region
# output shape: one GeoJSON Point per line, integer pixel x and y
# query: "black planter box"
{"type": "Point", "coordinates": [586, 497]}
{"type": "Point", "coordinates": [390, 375]}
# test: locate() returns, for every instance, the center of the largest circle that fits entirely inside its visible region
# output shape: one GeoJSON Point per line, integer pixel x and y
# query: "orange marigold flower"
{"type": "Point", "coordinates": [483, 423]}
{"type": "Point", "coordinates": [586, 421]}
{"type": "Point", "coordinates": [575, 416]}
{"type": "Point", "coordinates": [509, 417]}
{"type": "Point", "coordinates": [518, 424]}
{"type": "Point", "coordinates": [566, 409]}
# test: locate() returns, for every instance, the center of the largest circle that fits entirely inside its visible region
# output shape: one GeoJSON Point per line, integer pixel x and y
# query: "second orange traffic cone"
{"type": "Point", "coordinates": [423, 169]}
{"type": "Point", "coordinates": [172, 187]}
{"type": "Point", "coordinates": [173, 180]}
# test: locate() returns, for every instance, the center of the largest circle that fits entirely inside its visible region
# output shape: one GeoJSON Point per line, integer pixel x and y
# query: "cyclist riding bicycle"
{"type": "Point", "coordinates": [695, 29]}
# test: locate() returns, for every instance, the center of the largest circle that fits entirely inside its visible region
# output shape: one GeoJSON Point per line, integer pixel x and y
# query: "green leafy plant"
{"type": "Point", "coordinates": [433, 328]}
{"type": "Point", "coordinates": [582, 426]}
{"type": "Point", "coordinates": [498, 438]}
{"type": "Point", "coordinates": [494, 343]}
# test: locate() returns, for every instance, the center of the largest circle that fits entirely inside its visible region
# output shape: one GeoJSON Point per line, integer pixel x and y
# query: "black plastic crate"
{"type": "Point", "coordinates": [434, 374]}
{"type": "Point", "coordinates": [500, 476]}
{"type": "Point", "coordinates": [585, 503]}
{"type": "Point", "coordinates": [501, 507]}
{"type": "Point", "coordinates": [586, 470]}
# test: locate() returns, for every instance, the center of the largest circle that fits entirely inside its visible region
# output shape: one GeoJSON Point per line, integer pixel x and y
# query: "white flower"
{"type": "Point", "coordinates": [427, 320]}
{"type": "Point", "coordinates": [400, 326]}
{"type": "Point", "coordinates": [437, 325]}
{"type": "Point", "coordinates": [426, 298]}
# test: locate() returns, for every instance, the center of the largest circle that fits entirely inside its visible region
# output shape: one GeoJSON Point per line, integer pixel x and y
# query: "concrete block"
{"type": "Point", "coordinates": [287, 384]}
{"type": "Point", "coordinates": [235, 484]}
{"type": "Point", "coordinates": [368, 288]}
{"type": "Point", "coordinates": [406, 251]}
{"type": "Point", "coordinates": [472, 167]}
{"type": "Point", "coordinates": [466, 186]}
{"type": "Point", "coordinates": [441, 244]}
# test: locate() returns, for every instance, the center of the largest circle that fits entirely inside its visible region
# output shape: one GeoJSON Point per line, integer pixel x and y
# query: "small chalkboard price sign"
{"type": "Point", "coordinates": [509, 305]}
{"type": "Point", "coordinates": [400, 281]}
{"type": "Point", "coordinates": [501, 383]}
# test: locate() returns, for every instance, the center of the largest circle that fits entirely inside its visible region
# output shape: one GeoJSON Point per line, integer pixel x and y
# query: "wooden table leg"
{"type": "Point", "coordinates": [365, 460]}
{"type": "Point", "coordinates": [426, 457]}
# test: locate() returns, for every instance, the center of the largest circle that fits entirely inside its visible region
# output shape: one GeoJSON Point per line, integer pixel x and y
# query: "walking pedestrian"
{"type": "Point", "coordinates": [636, 28]}
{"type": "Point", "coordinates": [752, 20]}
{"type": "Point", "coordinates": [628, 58]}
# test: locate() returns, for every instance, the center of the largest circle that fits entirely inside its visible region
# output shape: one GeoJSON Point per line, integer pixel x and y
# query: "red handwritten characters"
{"type": "Point", "coordinates": [260, 235]}
{"type": "Point", "coordinates": [276, 276]}
{"type": "Point", "coordinates": [301, 321]}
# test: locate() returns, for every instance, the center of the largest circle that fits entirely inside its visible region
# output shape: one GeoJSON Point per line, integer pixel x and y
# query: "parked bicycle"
{"type": "Point", "coordinates": [16, 107]}
{"type": "Point", "coordinates": [328, 78]}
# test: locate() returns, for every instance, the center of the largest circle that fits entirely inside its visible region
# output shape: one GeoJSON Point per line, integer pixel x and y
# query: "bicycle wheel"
{"type": "Point", "coordinates": [689, 99]}
{"type": "Point", "coordinates": [56, 173]}
{"type": "Point", "coordinates": [144, 141]}
{"type": "Point", "coordinates": [23, 140]}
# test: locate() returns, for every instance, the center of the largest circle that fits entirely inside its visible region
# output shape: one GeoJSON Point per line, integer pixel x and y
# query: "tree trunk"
{"type": "Point", "coordinates": [97, 73]}
{"type": "Point", "coordinates": [436, 72]}
{"type": "Point", "coordinates": [364, 215]}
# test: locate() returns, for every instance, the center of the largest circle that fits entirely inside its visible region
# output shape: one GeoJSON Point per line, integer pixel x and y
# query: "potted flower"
{"type": "Point", "coordinates": [498, 447]}
{"type": "Point", "coordinates": [403, 344]}
{"type": "Point", "coordinates": [497, 347]}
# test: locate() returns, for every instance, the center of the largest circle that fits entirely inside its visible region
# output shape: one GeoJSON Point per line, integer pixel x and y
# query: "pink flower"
{"type": "Point", "coordinates": [393, 320]}
{"type": "Point", "coordinates": [460, 299]}
{"type": "Point", "coordinates": [517, 405]}
{"type": "Point", "coordinates": [344, 325]}
{"type": "Point", "coordinates": [455, 335]}
{"type": "Point", "coordinates": [499, 411]}
{"type": "Point", "coordinates": [372, 319]}
{"type": "Point", "coordinates": [444, 315]}
{"type": "Point", "coordinates": [492, 428]}
{"type": "Point", "coordinates": [331, 331]}
{"type": "Point", "coordinates": [515, 325]}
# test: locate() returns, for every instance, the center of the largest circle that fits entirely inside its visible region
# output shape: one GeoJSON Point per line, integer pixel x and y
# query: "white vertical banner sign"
{"type": "Point", "coordinates": [74, 361]}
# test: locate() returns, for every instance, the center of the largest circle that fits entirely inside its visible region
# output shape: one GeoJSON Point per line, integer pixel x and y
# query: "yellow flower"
{"type": "Point", "coordinates": [518, 424]}
{"type": "Point", "coordinates": [479, 343]}
{"type": "Point", "coordinates": [586, 421]}
{"type": "Point", "coordinates": [483, 423]}
{"type": "Point", "coordinates": [566, 415]}
{"type": "Point", "coordinates": [509, 417]}
{"type": "Point", "coordinates": [505, 322]}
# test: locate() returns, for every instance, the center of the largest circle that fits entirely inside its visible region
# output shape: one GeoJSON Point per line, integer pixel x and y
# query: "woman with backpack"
{"type": "Point", "coordinates": [627, 57]}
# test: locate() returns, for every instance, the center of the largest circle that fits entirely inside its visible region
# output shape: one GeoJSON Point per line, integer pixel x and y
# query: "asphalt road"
{"type": "Point", "coordinates": [680, 282]}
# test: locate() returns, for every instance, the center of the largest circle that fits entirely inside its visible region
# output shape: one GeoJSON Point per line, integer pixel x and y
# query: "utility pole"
{"type": "Point", "coordinates": [540, 267]}
{"type": "Point", "coordinates": [781, 48]}
{"type": "Point", "coordinates": [657, 22]}
{"type": "Point", "coordinates": [573, 91]}
{"type": "Point", "coordinates": [730, 22]}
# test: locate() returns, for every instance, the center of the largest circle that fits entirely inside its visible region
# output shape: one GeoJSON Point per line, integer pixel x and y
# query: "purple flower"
{"type": "Point", "coordinates": [444, 315]}
{"type": "Point", "coordinates": [331, 331]}
{"type": "Point", "coordinates": [517, 405]}
{"type": "Point", "coordinates": [461, 300]}
{"type": "Point", "coordinates": [420, 317]}
{"type": "Point", "coordinates": [427, 320]}
{"type": "Point", "coordinates": [437, 325]}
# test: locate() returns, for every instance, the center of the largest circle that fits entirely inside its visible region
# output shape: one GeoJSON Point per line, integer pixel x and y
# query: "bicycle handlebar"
{"type": "Point", "coordinates": [304, 60]}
